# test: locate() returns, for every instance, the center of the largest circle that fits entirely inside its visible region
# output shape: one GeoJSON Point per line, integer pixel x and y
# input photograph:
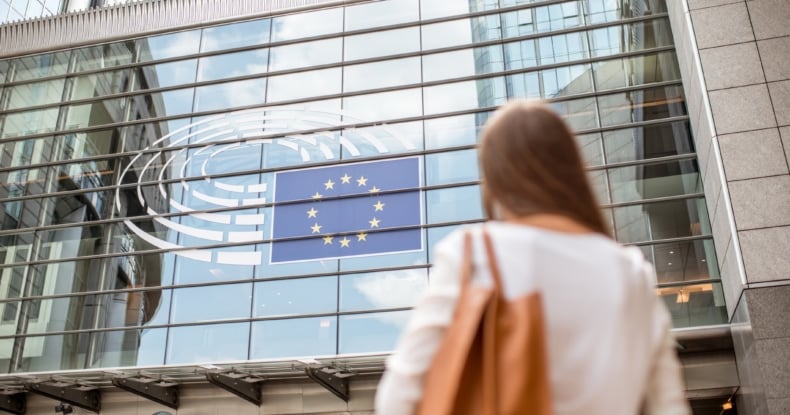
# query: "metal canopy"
{"type": "Point", "coordinates": [157, 390]}
{"type": "Point", "coordinates": [243, 385]}
{"type": "Point", "coordinates": [333, 379]}
{"type": "Point", "coordinates": [83, 396]}
{"type": "Point", "coordinates": [13, 401]}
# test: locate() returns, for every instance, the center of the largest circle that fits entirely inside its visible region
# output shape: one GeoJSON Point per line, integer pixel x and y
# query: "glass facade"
{"type": "Point", "coordinates": [272, 188]}
{"type": "Point", "coordinates": [13, 10]}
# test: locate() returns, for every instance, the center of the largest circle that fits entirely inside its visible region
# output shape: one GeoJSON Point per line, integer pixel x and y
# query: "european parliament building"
{"type": "Point", "coordinates": [213, 207]}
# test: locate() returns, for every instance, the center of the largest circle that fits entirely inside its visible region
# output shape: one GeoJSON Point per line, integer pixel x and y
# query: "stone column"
{"type": "Point", "coordinates": [735, 62]}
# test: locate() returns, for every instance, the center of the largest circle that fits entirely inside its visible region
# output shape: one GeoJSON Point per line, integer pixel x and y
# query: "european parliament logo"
{"type": "Point", "coordinates": [348, 210]}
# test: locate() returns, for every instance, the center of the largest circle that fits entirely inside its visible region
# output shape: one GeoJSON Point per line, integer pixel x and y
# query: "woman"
{"type": "Point", "coordinates": [606, 332]}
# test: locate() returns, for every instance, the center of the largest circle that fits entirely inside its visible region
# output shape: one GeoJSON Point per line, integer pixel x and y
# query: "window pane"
{"type": "Point", "coordinates": [382, 139]}
{"type": "Point", "coordinates": [108, 111]}
{"type": "Point", "coordinates": [619, 73]}
{"type": "Point", "coordinates": [460, 32]}
{"type": "Point", "coordinates": [524, 85]}
{"type": "Point", "coordinates": [381, 290]}
{"type": "Point", "coordinates": [300, 25]}
{"type": "Point", "coordinates": [104, 56]}
{"type": "Point", "coordinates": [591, 148]}
{"type": "Point", "coordinates": [654, 180]}
{"type": "Point", "coordinates": [166, 74]}
{"type": "Point", "coordinates": [384, 43]}
{"type": "Point", "coordinates": [189, 304]}
{"type": "Point", "coordinates": [298, 296]}
{"type": "Point", "coordinates": [39, 66]}
{"type": "Point", "coordinates": [568, 80]}
{"type": "Point", "coordinates": [382, 13]}
{"type": "Point", "coordinates": [235, 35]}
{"type": "Point", "coordinates": [303, 337]}
{"type": "Point", "coordinates": [168, 46]}
{"type": "Point", "coordinates": [695, 305]}
{"type": "Point", "coordinates": [36, 93]}
{"type": "Point", "coordinates": [454, 131]}
{"type": "Point", "coordinates": [72, 350]}
{"type": "Point", "coordinates": [160, 104]}
{"type": "Point", "coordinates": [305, 54]}
{"type": "Point", "coordinates": [580, 114]}
{"type": "Point", "coordinates": [465, 95]}
{"type": "Point", "coordinates": [452, 167]}
{"type": "Point", "coordinates": [375, 332]}
{"type": "Point", "coordinates": [384, 105]}
{"type": "Point", "coordinates": [231, 94]}
{"type": "Point", "coordinates": [100, 84]}
{"type": "Point", "coordinates": [655, 221]}
{"type": "Point", "coordinates": [642, 143]}
{"type": "Point", "coordinates": [466, 62]}
{"type": "Point", "coordinates": [562, 48]}
{"type": "Point", "coordinates": [642, 105]}
{"type": "Point", "coordinates": [381, 74]}
{"type": "Point", "coordinates": [435, 9]}
{"type": "Point", "coordinates": [249, 62]}
{"type": "Point", "coordinates": [683, 261]}
{"type": "Point", "coordinates": [304, 85]}
{"type": "Point", "coordinates": [209, 343]}
{"type": "Point", "coordinates": [520, 55]}
{"type": "Point", "coordinates": [129, 348]}
{"type": "Point", "coordinates": [454, 204]}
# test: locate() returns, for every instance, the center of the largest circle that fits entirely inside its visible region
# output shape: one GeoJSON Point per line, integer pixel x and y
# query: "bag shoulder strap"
{"type": "Point", "coordinates": [493, 267]}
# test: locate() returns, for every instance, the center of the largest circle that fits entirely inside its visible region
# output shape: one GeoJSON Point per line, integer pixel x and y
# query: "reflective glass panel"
{"type": "Point", "coordinates": [641, 143]}
{"type": "Point", "coordinates": [454, 131]}
{"type": "Point", "coordinates": [465, 95]}
{"type": "Point", "coordinates": [382, 139]}
{"type": "Point", "coordinates": [209, 343]}
{"type": "Point", "coordinates": [374, 332]}
{"type": "Point", "coordinates": [466, 62]}
{"type": "Point", "coordinates": [30, 122]}
{"type": "Point", "coordinates": [304, 84]}
{"type": "Point", "coordinates": [580, 114]}
{"type": "Point", "coordinates": [436, 9]}
{"type": "Point", "coordinates": [625, 72]}
{"type": "Point", "coordinates": [695, 305]}
{"type": "Point", "coordinates": [591, 148]}
{"type": "Point", "coordinates": [168, 46]}
{"type": "Point", "coordinates": [382, 13]}
{"type": "Point", "coordinates": [460, 32]}
{"type": "Point", "coordinates": [249, 62]}
{"type": "Point", "coordinates": [381, 74]}
{"type": "Point", "coordinates": [230, 94]}
{"type": "Point", "coordinates": [104, 56]}
{"type": "Point", "coordinates": [166, 74]}
{"type": "Point", "coordinates": [108, 111]}
{"type": "Point", "coordinates": [100, 84]}
{"type": "Point", "coordinates": [33, 94]}
{"type": "Point", "coordinates": [625, 38]}
{"type": "Point", "coordinates": [72, 352]}
{"type": "Point", "coordinates": [299, 55]}
{"type": "Point", "coordinates": [235, 35]}
{"type": "Point", "coordinates": [454, 204]}
{"type": "Point", "coordinates": [568, 80]}
{"type": "Point", "coordinates": [303, 337]}
{"type": "Point", "coordinates": [39, 66]}
{"type": "Point", "coordinates": [562, 48]}
{"type": "Point", "coordinates": [656, 221]}
{"type": "Point", "coordinates": [654, 180]}
{"type": "Point", "coordinates": [382, 290]}
{"type": "Point", "coordinates": [227, 302]}
{"type": "Point", "coordinates": [384, 43]}
{"type": "Point", "coordinates": [452, 167]}
{"type": "Point", "coordinates": [297, 296]}
{"type": "Point", "coordinates": [384, 105]}
{"type": "Point", "coordinates": [683, 261]}
{"type": "Point", "coordinates": [522, 54]}
{"type": "Point", "coordinates": [129, 348]}
{"type": "Point", "coordinates": [300, 25]}
{"type": "Point", "coordinates": [641, 105]}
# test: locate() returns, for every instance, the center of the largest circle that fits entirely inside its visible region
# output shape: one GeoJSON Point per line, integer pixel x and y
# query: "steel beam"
{"type": "Point", "coordinates": [157, 390]}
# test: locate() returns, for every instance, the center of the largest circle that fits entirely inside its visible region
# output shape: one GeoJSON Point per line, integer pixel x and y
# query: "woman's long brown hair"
{"type": "Point", "coordinates": [530, 164]}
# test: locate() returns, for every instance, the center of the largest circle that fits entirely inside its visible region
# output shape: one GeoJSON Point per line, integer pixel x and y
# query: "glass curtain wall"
{"type": "Point", "coordinates": [272, 188]}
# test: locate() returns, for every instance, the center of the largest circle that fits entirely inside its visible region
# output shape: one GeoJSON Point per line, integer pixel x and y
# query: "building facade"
{"type": "Point", "coordinates": [232, 207]}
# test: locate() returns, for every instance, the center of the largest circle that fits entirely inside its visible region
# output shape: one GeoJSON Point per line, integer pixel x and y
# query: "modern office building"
{"type": "Point", "coordinates": [216, 207]}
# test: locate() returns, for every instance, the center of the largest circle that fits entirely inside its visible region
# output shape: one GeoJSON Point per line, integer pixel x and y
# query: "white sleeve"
{"type": "Point", "coordinates": [665, 392]}
{"type": "Point", "coordinates": [400, 388]}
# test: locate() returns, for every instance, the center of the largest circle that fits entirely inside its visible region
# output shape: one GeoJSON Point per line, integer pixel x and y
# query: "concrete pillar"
{"type": "Point", "coordinates": [735, 61]}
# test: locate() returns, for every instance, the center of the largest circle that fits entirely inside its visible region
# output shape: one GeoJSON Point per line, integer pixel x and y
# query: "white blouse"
{"type": "Point", "coordinates": [609, 345]}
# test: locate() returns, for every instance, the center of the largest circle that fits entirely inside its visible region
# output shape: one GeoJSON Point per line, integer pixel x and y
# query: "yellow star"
{"type": "Point", "coordinates": [329, 184]}
{"type": "Point", "coordinates": [378, 206]}
{"type": "Point", "coordinates": [328, 240]}
{"type": "Point", "coordinates": [316, 228]}
{"type": "Point", "coordinates": [344, 242]}
{"type": "Point", "coordinates": [345, 179]}
{"type": "Point", "coordinates": [374, 223]}
{"type": "Point", "coordinates": [362, 181]}
{"type": "Point", "coordinates": [361, 236]}
{"type": "Point", "coordinates": [317, 195]}
{"type": "Point", "coordinates": [374, 189]}
{"type": "Point", "coordinates": [312, 212]}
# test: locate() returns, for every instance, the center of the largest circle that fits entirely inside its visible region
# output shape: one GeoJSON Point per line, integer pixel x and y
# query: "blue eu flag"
{"type": "Point", "coordinates": [347, 210]}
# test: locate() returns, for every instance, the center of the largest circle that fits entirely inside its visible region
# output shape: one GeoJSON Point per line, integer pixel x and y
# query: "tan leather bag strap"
{"type": "Point", "coordinates": [490, 377]}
